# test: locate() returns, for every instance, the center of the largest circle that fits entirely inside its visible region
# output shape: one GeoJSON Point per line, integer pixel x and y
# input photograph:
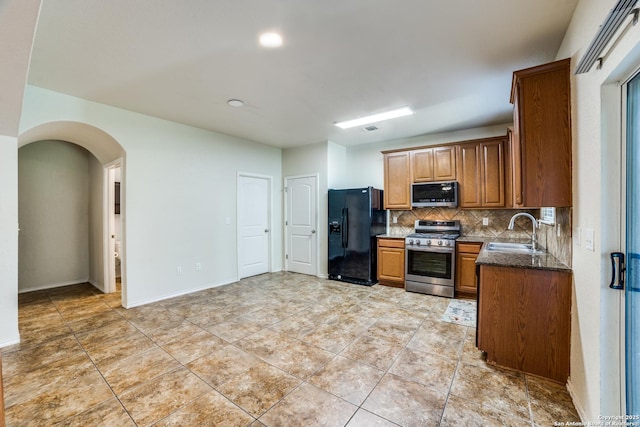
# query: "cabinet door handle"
{"type": "Point", "coordinates": [618, 270]}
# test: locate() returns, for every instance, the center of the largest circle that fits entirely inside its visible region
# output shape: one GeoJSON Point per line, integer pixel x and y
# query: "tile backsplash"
{"type": "Point", "coordinates": [555, 238]}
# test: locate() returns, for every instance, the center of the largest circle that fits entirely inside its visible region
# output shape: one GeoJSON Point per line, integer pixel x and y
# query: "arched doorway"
{"type": "Point", "coordinates": [109, 154]}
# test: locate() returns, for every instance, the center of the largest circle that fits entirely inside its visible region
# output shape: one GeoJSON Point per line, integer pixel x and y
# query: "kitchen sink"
{"type": "Point", "coordinates": [516, 248]}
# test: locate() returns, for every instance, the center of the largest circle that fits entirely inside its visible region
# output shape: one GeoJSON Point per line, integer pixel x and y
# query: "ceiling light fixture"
{"type": "Point", "coordinates": [270, 40]}
{"type": "Point", "coordinates": [374, 118]}
{"type": "Point", "coordinates": [235, 102]}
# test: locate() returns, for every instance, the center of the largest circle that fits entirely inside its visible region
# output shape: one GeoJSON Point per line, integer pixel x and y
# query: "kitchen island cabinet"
{"type": "Point", "coordinates": [391, 261]}
{"type": "Point", "coordinates": [524, 317]}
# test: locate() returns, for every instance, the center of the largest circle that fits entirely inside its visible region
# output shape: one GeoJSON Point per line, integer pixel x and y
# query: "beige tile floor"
{"type": "Point", "coordinates": [275, 350]}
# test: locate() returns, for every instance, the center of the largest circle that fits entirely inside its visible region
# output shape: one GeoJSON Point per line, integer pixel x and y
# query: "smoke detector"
{"type": "Point", "coordinates": [235, 102]}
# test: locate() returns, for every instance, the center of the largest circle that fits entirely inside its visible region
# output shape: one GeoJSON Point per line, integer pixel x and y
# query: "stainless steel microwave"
{"type": "Point", "coordinates": [430, 194]}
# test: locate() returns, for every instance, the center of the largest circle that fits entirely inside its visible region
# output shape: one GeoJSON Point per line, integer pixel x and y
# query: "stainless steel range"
{"type": "Point", "coordinates": [431, 257]}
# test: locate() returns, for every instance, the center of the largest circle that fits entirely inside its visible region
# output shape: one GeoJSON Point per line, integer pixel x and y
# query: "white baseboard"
{"type": "Point", "coordinates": [178, 294]}
{"type": "Point", "coordinates": [576, 403]}
{"type": "Point", "coordinates": [53, 285]}
{"type": "Point", "coordinates": [10, 342]}
{"type": "Point", "coordinates": [319, 275]}
{"type": "Point", "coordinates": [98, 286]}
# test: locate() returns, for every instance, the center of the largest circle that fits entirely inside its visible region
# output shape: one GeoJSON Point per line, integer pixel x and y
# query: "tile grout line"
{"type": "Point", "coordinates": [275, 291]}
{"type": "Point", "coordinates": [75, 335]}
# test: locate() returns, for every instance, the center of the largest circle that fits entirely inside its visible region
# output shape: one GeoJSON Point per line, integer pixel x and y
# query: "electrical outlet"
{"type": "Point", "coordinates": [589, 238]}
{"type": "Point", "coordinates": [198, 266]}
{"type": "Point", "coordinates": [485, 221]}
{"type": "Point", "coordinates": [577, 236]}
{"type": "Point", "coordinates": [395, 219]}
{"type": "Point", "coordinates": [178, 270]}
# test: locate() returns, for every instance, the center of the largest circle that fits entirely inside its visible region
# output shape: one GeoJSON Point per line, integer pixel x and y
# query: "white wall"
{"type": "Point", "coordinates": [308, 160]}
{"type": "Point", "coordinates": [8, 240]}
{"type": "Point", "coordinates": [53, 212]}
{"type": "Point", "coordinates": [337, 169]}
{"type": "Point", "coordinates": [366, 161]}
{"type": "Point", "coordinates": [17, 26]}
{"type": "Point", "coordinates": [180, 185]}
{"type": "Point", "coordinates": [595, 377]}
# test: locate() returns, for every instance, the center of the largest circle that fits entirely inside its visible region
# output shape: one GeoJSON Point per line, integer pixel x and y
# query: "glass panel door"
{"type": "Point", "coordinates": [632, 288]}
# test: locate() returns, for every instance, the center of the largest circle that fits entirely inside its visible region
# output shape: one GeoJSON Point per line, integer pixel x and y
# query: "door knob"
{"type": "Point", "coordinates": [313, 231]}
{"type": "Point", "coordinates": [266, 230]}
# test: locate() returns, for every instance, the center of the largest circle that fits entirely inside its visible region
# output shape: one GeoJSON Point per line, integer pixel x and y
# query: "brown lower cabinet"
{"type": "Point", "coordinates": [524, 319]}
{"type": "Point", "coordinates": [466, 281]}
{"type": "Point", "coordinates": [391, 261]}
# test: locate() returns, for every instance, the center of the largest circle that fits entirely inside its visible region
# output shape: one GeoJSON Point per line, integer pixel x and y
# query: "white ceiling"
{"type": "Point", "coordinates": [451, 60]}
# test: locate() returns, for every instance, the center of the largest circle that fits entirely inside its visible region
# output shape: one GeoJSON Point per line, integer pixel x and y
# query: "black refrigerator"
{"type": "Point", "coordinates": [356, 217]}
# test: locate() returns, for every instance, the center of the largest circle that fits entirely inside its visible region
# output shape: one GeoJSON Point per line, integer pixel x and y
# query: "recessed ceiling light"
{"type": "Point", "coordinates": [235, 102]}
{"type": "Point", "coordinates": [270, 39]}
{"type": "Point", "coordinates": [374, 118]}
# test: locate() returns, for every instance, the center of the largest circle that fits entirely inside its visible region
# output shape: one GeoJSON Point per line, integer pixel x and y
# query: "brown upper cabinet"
{"type": "Point", "coordinates": [481, 166]}
{"type": "Point", "coordinates": [397, 180]}
{"type": "Point", "coordinates": [478, 165]}
{"type": "Point", "coordinates": [434, 164]}
{"type": "Point", "coordinates": [540, 141]}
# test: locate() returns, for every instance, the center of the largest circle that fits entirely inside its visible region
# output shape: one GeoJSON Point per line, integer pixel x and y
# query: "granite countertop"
{"type": "Point", "coordinates": [543, 261]}
{"type": "Point", "coordinates": [392, 235]}
{"type": "Point", "coordinates": [477, 239]}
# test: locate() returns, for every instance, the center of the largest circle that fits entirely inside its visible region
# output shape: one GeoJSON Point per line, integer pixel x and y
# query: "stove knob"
{"type": "Point", "coordinates": [410, 242]}
{"type": "Point", "coordinates": [417, 242]}
{"type": "Point", "coordinates": [439, 242]}
{"type": "Point", "coordinates": [428, 243]}
{"type": "Point", "coordinates": [446, 243]}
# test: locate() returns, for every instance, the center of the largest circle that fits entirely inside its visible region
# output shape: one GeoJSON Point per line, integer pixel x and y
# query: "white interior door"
{"type": "Point", "coordinates": [110, 226]}
{"type": "Point", "coordinates": [301, 224]}
{"type": "Point", "coordinates": [254, 201]}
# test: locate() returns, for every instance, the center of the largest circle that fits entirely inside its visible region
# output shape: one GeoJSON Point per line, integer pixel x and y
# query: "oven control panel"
{"type": "Point", "coordinates": [413, 242]}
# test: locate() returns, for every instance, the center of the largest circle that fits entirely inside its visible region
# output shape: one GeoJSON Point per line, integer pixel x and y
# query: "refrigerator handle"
{"type": "Point", "coordinates": [345, 228]}
{"type": "Point", "coordinates": [342, 229]}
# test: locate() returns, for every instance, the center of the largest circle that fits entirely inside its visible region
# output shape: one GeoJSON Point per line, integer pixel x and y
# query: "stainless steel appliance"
{"type": "Point", "coordinates": [431, 194]}
{"type": "Point", "coordinates": [356, 217]}
{"type": "Point", "coordinates": [430, 257]}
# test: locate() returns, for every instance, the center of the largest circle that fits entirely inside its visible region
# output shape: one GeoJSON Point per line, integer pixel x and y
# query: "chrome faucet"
{"type": "Point", "coordinates": [534, 237]}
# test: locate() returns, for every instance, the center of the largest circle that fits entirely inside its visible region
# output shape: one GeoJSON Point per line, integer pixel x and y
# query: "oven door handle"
{"type": "Point", "coordinates": [437, 249]}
